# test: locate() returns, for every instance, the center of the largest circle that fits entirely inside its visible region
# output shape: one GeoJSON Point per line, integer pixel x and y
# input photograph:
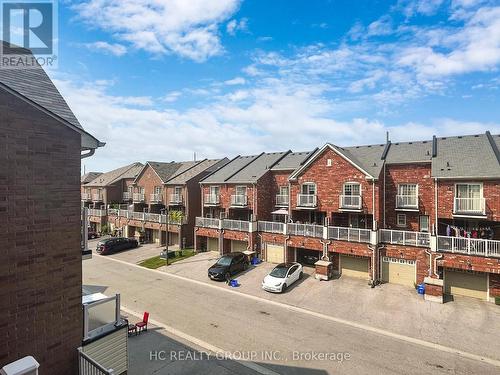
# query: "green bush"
{"type": "Point", "coordinates": [497, 301]}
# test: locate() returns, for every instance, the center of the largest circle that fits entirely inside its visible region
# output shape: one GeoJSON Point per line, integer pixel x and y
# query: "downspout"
{"type": "Point", "coordinates": [383, 198]}
{"type": "Point", "coordinates": [202, 201]}
{"type": "Point", "coordinates": [435, 264]}
{"type": "Point", "coordinates": [436, 206]}
{"type": "Point", "coordinates": [374, 273]}
{"type": "Point", "coordinates": [374, 227]}
{"type": "Point", "coordinates": [429, 253]}
{"type": "Point", "coordinates": [289, 202]}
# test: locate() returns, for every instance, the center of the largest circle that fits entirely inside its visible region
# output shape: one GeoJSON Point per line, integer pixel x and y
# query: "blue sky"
{"type": "Point", "coordinates": [160, 80]}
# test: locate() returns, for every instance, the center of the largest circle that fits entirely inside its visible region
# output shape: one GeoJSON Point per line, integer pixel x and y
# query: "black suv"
{"type": "Point", "coordinates": [228, 265]}
{"type": "Point", "coordinates": [112, 245]}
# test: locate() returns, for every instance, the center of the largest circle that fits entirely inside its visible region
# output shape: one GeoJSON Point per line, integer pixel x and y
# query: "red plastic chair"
{"type": "Point", "coordinates": [143, 326]}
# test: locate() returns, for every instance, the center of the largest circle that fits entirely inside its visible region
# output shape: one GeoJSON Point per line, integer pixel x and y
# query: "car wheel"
{"type": "Point", "coordinates": [245, 266]}
{"type": "Point", "coordinates": [283, 288]}
{"type": "Point", "coordinates": [227, 276]}
{"type": "Point", "coordinates": [301, 274]}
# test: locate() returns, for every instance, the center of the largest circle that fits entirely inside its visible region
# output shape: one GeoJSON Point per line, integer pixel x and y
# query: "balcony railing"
{"type": "Point", "coordinates": [113, 212]}
{"type": "Point", "coordinates": [86, 197]}
{"type": "Point", "coordinates": [155, 198]}
{"type": "Point", "coordinates": [239, 225]}
{"type": "Point", "coordinates": [406, 201]}
{"type": "Point", "coordinates": [403, 237]}
{"type": "Point", "coordinates": [138, 197]}
{"type": "Point", "coordinates": [352, 202]}
{"type": "Point", "coordinates": [96, 212]}
{"type": "Point", "coordinates": [127, 195]}
{"type": "Point", "coordinates": [97, 197]}
{"type": "Point", "coordinates": [88, 366]}
{"type": "Point", "coordinates": [239, 200]}
{"type": "Point", "coordinates": [469, 246]}
{"type": "Point", "coordinates": [271, 227]}
{"type": "Point", "coordinates": [175, 198]}
{"type": "Point", "coordinates": [207, 222]}
{"type": "Point", "coordinates": [469, 206]}
{"type": "Point", "coordinates": [308, 230]}
{"type": "Point", "coordinates": [349, 234]}
{"type": "Point", "coordinates": [306, 200]}
{"type": "Point", "coordinates": [282, 200]}
{"type": "Point", "coordinates": [211, 199]}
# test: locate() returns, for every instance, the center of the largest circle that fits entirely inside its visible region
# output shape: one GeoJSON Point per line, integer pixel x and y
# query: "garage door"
{"type": "Point", "coordinates": [212, 244]}
{"type": "Point", "coordinates": [354, 267]}
{"type": "Point", "coordinates": [275, 253]}
{"type": "Point", "coordinates": [466, 283]}
{"type": "Point", "coordinates": [398, 271]}
{"type": "Point", "coordinates": [238, 246]}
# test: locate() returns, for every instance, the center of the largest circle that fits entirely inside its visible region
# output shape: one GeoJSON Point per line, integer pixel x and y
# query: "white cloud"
{"type": "Point", "coordinates": [172, 96]}
{"type": "Point", "coordinates": [235, 81]}
{"type": "Point", "coordinates": [186, 28]}
{"type": "Point", "coordinates": [109, 48]}
{"type": "Point", "coordinates": [234, 25]}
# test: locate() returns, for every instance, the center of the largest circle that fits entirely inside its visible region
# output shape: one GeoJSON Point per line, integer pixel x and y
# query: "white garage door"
{"type": "Point", "coordinates": [238, 246]}
{"type": "Point", "coordinates": [466, 283]}
{"type": "Point", "coordinates": [399, 271]}
{"type": "Point", "coordinates": [275, 253]}
{"type": "Point", "coordinates": [354, 266]}
{"type": "Point", "coordinates": [212, 244]}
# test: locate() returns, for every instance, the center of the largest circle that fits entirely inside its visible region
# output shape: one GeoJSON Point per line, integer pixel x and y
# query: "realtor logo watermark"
{"type": "Point", "coordinates": [28, 25]}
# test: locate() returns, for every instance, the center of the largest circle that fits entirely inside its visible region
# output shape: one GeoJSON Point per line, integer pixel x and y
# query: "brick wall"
{"type": "Point", "coordinates": [41, 260]}
{"type": "Point", "coordinates": [473, 263]}
{"type": "Point", "coordinates": [148, 179]}
{"type": "Point", "coordinates": [230, 189]}
{"type": "Point", "coordinates": [494, 285]}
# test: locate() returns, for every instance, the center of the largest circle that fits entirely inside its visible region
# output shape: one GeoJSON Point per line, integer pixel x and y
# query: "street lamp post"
{"type": "Point", "coordinates": [165, 210]}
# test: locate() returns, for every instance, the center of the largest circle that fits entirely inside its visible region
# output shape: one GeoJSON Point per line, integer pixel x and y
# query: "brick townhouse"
{"type": "Point", "coordinates": [160, 190]}
{"type": "Point", "coordinates": [41, 144]}
{"type": "Point", "coordinates": [404, 212]}
{"type": "Point", "coordinates": [108, 189]}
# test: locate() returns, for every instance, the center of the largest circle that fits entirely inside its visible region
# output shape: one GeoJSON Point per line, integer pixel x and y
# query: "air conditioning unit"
{"type": "Point", "coordinates": [24, 366]}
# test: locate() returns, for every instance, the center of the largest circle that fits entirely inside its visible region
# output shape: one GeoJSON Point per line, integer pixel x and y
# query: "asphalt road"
{"type": "Point", "coordinates": [275, 338]}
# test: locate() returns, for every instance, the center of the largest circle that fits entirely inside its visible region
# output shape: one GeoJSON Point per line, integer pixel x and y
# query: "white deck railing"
{"type": "Point", "coordinates": [240, 225]}
{"type": "Point", "coordinates": [469, 206]}
{"type": "Point", "coordinates": [307, 200]}
{"type": "Point", "coordinates": [97, 212]}
{"type": "Point", "coordinates": [271, 227]}
{"type": "Point", "coordinates": [404, 237]}
{"type": "Point", "coordinates": [138, 197]}
{"type": "Point", "coordinates": [406, 201]}
{"type": "Point", "coordinates": [282, 200]}
{"type": "Point", "coordinates": [156, 198]}
{"type": "Point", "coordinates": [349, 234]}
{"type": "Point", "coordinates": [469, 246]}
{"type": "Point", "coordinates": [88, 366]}
{"type": "Point", "coordinates": [239, 200]}
{"type": "Point", "coordinates": [113, 212]}
{"type": "Point", "coordinates": [308, 230]}
{"type": "Point", "coordinates": [211, 199]}
{"type": "Point", "coordinates": [350, 202]}
{"type": "Point", "coordinates": [207, 222]}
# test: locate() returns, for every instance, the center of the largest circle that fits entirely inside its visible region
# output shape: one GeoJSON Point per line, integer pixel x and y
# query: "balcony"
{"type": "Point", "coordinates": [239, 200]}
{"type": "Point", "coordinates": [127, 196]}
{"type": "Point", "coordinates": [211, 200]}
{"type": "Point", "coordinates": [175, 199]}
{"type": "Point", "coordinates": [349, 234]}
{"type": "Point", "coordinates": [97, 197]}
{"type": "Point", "coordinates": [155, 198]}
{"type": "Point", "coordinates": [239, 225]}
{"type": "Point", "coordinates": [307, 200]}
{"type": "Point", "coordinates": [86, 197]}
{"type": "Point", "coordinates": [282, 200]}
{"type": "Point", "coordinates": [469, 246]}
{"type": "Point", "coordinates": [96, 212]}
{"type": "Point", "coordinates": [138, 197]}
{"type": "Point", "coordinates": [406, 238]}
{"type": "Point", "coordinates": [469, 206]}
{"type": "Point", "coordinates": [207, 222]}
{"type": "Point", "coordinates": [271, 227]}
{"type": "Point", "coordinates": [307, 230]}
{"type": "Point", "coordinates": [407, 202]}
{"type": "Point", "coordinates": [350, 202]}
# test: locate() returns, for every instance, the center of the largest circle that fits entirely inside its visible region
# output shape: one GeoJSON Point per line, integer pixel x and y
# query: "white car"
{"type": "Point", "coordinates": [282, 276]}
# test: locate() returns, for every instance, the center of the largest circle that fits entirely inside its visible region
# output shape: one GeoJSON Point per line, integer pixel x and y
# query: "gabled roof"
{"type": "Point", "coordinates": [203, 166]}
{"type": "Point", "coordinates": [127, 172]}
{"type": "Point", "coordinates": [89, 176]}
{"type": "Point", "coordinates": [34, 86]}
{"type": "Point", "coordinates": [167, 170]}
{"type": "Point", "coordinates": [234, 166]}
{"type": "Point", "coordinates": [257, 168]}
{"type": "Point", "coordinates": [292, 161]}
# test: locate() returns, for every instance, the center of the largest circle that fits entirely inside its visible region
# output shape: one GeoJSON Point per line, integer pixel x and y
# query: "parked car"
{"type": "Point", "coordinates": [228, 265]}
{"type": "Point", "coordinates": [282, 276]}
{"type": "Point", "coordinates": [92, 234]}
{"type": "Point", "coordinates": [112, 245]}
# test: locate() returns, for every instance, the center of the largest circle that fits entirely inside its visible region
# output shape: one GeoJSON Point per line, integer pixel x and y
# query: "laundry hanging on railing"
{"type": "Point", "coordinates": [485, 233]}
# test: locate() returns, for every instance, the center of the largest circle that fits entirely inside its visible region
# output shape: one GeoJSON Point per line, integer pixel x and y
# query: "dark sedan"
{"type": "Point", "coordinates": [228, 265]}
{"type": "Point", "coordinates": [113, 245]}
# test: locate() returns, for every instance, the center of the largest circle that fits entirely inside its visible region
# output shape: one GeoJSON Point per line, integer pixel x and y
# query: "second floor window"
{"type": "Point", "coordinates": [283, 190]}
{"type": "Point", "coordinates": [140, 190]}
{"type": "Point", "coordinates": [407, 190]}
{"type": "Point", "coordinates": [308, 188]}
{"type": "Point", "coordinates": [214, 190]}
{"type": "Point", "coordinates": [352, 188]}
{"type": "Point", "coordinates": [468, 191]}
{"type": "Point", "coordinates": [178, 190]}
{"type": "Point", "coordinates": [130, 189]}
{"type": "Point", "coordinates": [158, 190]}
{"type": "Point", "coordinates": [241, 190]}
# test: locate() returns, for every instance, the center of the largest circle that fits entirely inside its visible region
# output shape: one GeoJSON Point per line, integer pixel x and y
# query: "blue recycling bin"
{"type": "Point", "coordinates": [233, 283]}
{"type": "Point", "coordinates": [421, 289]}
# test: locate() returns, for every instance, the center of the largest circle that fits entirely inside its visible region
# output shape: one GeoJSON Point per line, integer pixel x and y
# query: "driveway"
{"type": "Point", "coordinates": [466, 323]}
{"type": "Point", "coordinates": [135, 256]}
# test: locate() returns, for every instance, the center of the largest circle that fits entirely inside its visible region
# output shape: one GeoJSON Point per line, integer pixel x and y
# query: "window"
{"type": "Point", "coordinates": [424, 223]}
{"type": "Point", "coordinates": [283, 190]}
{"type": "Point", "coordinates": [241, 190]}
{"type": "Point", "coordinates": [158, 190]}
{"type": "Point", "coordinates": [328, 162]}
{"type": "Point", "coordinates": [352, 188]}
{"type": "Point", "coordinates": [214, 190]}
{"type": "Point", "coordinates": [408, 189]}
{"type": "Point", "coordinates": [140, 190]}
{"type": "Point", "coordinates": [130, 189]}
{"type": "Point", "coordinates": [401, 220]}
{"type": "Point", "coordinates": [178, 190]}
{"type": "Point", "coordinates": [308, 188]}
{"type": "Point", "coordinates": [468, 191]}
